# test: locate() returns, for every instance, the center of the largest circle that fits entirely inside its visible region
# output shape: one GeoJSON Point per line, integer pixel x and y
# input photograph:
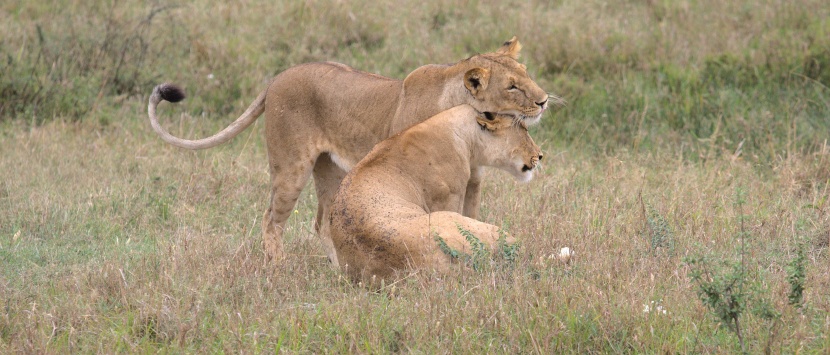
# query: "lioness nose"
{"type": "Point", "coordinates": [542, 104]}
{"type": "Point", "coordinates": [541, 156]}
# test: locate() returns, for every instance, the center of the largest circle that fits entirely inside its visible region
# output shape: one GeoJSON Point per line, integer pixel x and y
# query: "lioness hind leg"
{"type": "Point", "coordinates": [327, 178]}
{"type": "Point", "coordinates": [472, 196]}
{"type": "Point", "coordinates": [447, 226]}
{"type": "Point", "coordinates": [287, 183]}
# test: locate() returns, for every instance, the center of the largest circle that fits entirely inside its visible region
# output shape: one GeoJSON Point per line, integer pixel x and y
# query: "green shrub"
{"type": "Point", "coordinates": [480, 257]}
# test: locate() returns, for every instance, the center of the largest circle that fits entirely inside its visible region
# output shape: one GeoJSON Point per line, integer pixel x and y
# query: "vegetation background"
{"type": "Point", "coordinates": [692, 128]}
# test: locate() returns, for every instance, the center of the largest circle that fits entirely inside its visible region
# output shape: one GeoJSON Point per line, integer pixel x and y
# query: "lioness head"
{"type": "Point", "coordinates": [507, 145]}
{"type": "Point", "coordinates": [501, 85]}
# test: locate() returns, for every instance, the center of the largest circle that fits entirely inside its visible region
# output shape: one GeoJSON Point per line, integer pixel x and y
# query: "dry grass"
{"type": "Point", "coordinates": [111, 241]}
{"type": "Point", "coordinates": [150, 247]}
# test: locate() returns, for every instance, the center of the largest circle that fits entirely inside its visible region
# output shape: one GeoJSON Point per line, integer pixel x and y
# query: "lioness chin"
{"type": "Point", "coordinates": [411, 187]}
{"type": "Point", "coordinates": [322, 118]}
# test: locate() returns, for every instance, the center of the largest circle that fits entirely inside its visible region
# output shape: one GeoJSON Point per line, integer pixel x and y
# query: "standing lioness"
{"type": "Point", "coordinates": [411, 187]}
{"type": "Point", "coordinates": [324, 117]}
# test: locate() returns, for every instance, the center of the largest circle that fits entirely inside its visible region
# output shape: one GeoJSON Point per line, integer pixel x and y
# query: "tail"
{"type": "Point", "coordinates": [173, 93]}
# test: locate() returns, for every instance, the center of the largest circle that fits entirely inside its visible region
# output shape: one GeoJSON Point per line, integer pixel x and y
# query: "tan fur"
{"type": "Point", "coordinates": [322, 118]}
{"type": "Point", "coordinates": [411, 187]}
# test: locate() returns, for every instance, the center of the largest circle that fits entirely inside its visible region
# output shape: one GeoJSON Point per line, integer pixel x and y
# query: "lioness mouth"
{"type": "Point", "coordinates": [527, 168]}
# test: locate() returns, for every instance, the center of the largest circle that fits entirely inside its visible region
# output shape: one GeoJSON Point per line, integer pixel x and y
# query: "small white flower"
{"type": "Point", "coordinates": [210, 76]}
{"type": "Point", "coordinates": [565, 255]}
{"type": "Point", "coordinates": [656, 306]}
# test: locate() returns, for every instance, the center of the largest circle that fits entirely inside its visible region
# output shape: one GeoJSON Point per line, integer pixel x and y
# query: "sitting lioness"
{"type": "Point", "coordinates": [411, 188]}
{"type": "Point", "coordinates": [322, 118]}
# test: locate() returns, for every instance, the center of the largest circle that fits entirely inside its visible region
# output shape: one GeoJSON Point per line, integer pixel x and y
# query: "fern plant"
{"type": "Point", "coordinates": [796, 276]}
{"type": "Point", "coordinates": [442, 244]}
{"type": "Point", "coordinates": [480, 257]}
{"type": "Point", "coordinates": [722, 289]}
{"type": "Point", "coordinates": [658, 230]}
{"type": "Point", "coordinates": [508, 252]}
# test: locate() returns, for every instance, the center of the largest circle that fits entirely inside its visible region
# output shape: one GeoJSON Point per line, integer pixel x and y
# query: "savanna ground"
{"type": "Point", "coordinates": [692, 156]}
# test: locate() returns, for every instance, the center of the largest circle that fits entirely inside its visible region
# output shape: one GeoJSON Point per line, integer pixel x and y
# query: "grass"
{"type": "Point", "coordinates": [111, 241]}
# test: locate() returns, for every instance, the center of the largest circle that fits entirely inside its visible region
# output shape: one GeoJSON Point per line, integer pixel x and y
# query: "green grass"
{"type": "Point", "coordinates": [112, 241]}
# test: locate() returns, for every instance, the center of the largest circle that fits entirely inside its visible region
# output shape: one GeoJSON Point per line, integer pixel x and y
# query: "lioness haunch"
{"type": "Point", "coordinates": [411, 187]}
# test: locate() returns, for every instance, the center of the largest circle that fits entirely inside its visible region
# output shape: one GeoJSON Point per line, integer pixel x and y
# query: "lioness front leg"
{"type": "Point", "coordinates": [472, 196]}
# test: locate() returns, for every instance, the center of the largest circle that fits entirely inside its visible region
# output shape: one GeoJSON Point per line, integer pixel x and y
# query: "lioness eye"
{"type": "Point", "coordinates": [512, 87]}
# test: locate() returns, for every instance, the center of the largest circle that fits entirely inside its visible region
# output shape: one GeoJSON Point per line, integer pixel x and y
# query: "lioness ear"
{"type": "Point", "coordinates": [489, 121]}
{"type": "Point", "coordinates": [476, 80]}
{"type": "Point", "coordinates": [511, 48]}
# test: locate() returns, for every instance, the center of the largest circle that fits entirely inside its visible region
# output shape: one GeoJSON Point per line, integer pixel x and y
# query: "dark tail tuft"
{"type": "Point", "coordinates": [170, 92]}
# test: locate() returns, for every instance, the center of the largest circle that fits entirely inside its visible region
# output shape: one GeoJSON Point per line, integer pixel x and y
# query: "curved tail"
{"type": "Point", "coordinates": [173, 93]}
